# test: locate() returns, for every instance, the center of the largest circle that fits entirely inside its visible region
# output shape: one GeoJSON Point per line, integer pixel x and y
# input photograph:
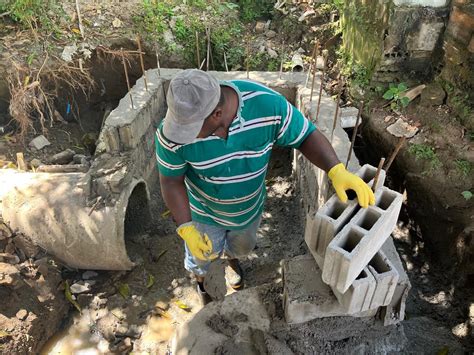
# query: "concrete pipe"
{"type": "Point", "coordinates": [297, 63]}
{"type": "Point", "coordinates": [52, 210]}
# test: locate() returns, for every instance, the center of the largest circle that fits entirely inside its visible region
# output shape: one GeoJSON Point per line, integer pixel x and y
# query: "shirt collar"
{"type": "Point", "coordinates": [230, 84]}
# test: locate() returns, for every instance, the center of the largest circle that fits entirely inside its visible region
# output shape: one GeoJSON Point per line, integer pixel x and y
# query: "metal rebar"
{"type": "Point", "coordinates": [395, 152]}
{"type": "Point", "coordinates": [310, 69]}
{"type": "Point", "coordinates": [198, 57]}
{"type": "Point", "coordinates": [225, 62]}
{"type": "Point", "coordinates": [336, 113]}
{"type": "Point", "coordinates": [354, 134]}
{"type": "Point", "coordinates": [208, 48]}
{"type": "Point", "coordinates": [142, 64]}
{"type": "Point", "coordinates": [377, 174]}
{"type": "Point", "coordinates": [323, 74]}
{"type": "Point", "coordinates": [157, 53]}
{"type": "Point", "coordinates": [314, 71]}
{"type": "Point", "coordinates": [248, 59]}
{"type": "Point", "coordinates": [126, 77]}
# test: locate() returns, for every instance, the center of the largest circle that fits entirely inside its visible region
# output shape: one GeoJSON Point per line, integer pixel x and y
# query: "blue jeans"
{"type": "Point", "coordinates": [235, 244]}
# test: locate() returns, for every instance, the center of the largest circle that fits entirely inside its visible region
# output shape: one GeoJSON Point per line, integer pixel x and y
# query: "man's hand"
{"type": "Point", "coordinates": [199, 245]}
{"type": "Point", "coordinates": [343, 180]}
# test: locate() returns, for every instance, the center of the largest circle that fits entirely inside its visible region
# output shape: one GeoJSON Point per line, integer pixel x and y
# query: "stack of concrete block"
{"type": "Point", "coordinates": [346, 243]}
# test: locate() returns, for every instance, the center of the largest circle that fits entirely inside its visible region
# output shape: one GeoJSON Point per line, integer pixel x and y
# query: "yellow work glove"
{"type": "Point", "coordinates": [343, 180]}
{"type": "Point", "coordinates": [199, 245]}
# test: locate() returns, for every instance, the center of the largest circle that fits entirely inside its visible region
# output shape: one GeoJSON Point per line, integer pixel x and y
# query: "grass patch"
{"type": "Point", "coordinates": [426, 153]}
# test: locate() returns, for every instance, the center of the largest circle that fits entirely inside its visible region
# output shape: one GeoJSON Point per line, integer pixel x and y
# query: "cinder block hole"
{"type": "Point", "coordinates": [362, 275]}
{"type": "Point", "coordinates": [368, 174]}
{"type": "Point", "coordinates": [385, 200]}
{"type": "Point", "coordinates": [336, 209]}
{"type": "Point", "coordinates": [369, 219]}
{"type": "Point", "coordinates": [351, 240]}
{"type": "Point", "coordinates": [379, 265]}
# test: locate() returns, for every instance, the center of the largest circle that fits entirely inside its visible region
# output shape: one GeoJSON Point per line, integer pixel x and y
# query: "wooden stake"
{"type": "Point", "coordinates": [198, 57]}
{"type": "Point", "coordinates": [20, 162]}
{"type": "Point", "coordinates": [157, 53]}
{"type": "Point", "coordinates": [79, 20]}
{"type": "Point", "coordinates": [142, 64]}
{"type": "Point", "coordinates": [395, 152]}
{"type": "Point", "coordinates": [336, 113]}
{"type": "Point", "coordinates": [377, 174]}
{"type": "Point", "coordinates": [354, 134]}
{"type": "Point", "coordinates": [126, 77]}
{"type": "Point", "coordinates": [323, 74]}
{"type": "Point", "coordinates": [314, 70]}
{"type": "Point", "coordinates": [310, 69]}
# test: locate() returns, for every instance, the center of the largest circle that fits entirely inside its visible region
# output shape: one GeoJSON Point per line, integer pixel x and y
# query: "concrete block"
{"type": "Point", "coordinates": [430, 3]}
{"type": "Point", "coordinates": [359, 297]}
{"type": "Point", "coordinates": [394, 312]}
{"type": "Point", "coordinates": [306, 296]}
{"type": "Point", "coordinates": [351, 249]}
{"type": "Point", "coordinates": [334, 215]}
{"type": "Point", "coordinates": [386, 278]}
{"type": "Point", "coordinates": [348, 117]}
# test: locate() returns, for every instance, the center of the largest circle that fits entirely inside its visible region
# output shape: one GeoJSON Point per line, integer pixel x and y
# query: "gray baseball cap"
{"type": "Point", "coordinates": [192, 96]}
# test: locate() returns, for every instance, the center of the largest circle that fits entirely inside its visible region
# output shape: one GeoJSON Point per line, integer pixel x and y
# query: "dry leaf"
{"type": "Point", "coordinates": [68, 294]}
{"type": "Point", "coordinates": [182, 305]}
{"type": "Point", "coordinates": [117, 23]}
{"type": "Point", "coordinates": [76, 31]}
{"type": "Point", "coordinates": [166, 213]}
{"type": "Point", "coordinates": [124, 290]}
{"type": "Point", "coordinates": [4, 334]}
{"type": "Point", "coordinates": [151, 281]}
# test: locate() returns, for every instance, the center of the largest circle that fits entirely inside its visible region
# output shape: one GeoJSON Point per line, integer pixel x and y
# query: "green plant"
{"type": "Point", "coordinates": [34, 14]}
{"type": "Point", "coordinates": [395, 95]}
{"type": "Point", "coordinates": [467, 195]}
{"type": "Point", "coordinates": [426, 153]}
{"type": "Point", "coordinates": [251, 10]}
{"type": "Point", "coordinates": [463, 166]}
{"type": "Point", "coordinates": [155, 15]}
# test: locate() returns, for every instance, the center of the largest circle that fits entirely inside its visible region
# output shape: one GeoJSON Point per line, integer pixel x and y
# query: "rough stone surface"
{"type": "Point", "coordinates": [402, 129]}
{"type": "Point", "coordinates": [432, 95]}
{"type": "Point", "coordinates": [9, 275]}
{"type": "Point", "coordinates": [306, 296]}
{"type": "Point", "coordinates": [39, 142]}
{"type": "Point", "coordinates": [228, 324]}
{"type": "Point", "coordinates": [63, 157]}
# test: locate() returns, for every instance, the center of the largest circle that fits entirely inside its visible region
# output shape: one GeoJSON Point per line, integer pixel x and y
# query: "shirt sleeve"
{"type": "Point", "coordinates": [170, 162]}
{"type": "Point", "coordinates": [294, 128]}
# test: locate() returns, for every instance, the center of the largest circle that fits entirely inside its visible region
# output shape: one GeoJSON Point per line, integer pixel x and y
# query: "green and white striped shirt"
{"type": "Point", "coordinates": [225, 179]}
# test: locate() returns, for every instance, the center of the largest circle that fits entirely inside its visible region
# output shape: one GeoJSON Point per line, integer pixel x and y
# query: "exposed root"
{"type": "Point", "coordinates": [33, 91]}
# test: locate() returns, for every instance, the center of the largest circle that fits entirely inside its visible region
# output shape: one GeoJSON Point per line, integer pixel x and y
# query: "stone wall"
{"type": "Point", "coordinates": [396, 40]}
{"type": "Point", "coordinates": [459, 48]}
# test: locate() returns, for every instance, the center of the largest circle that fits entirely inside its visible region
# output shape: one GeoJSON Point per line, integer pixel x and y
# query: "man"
{"type": "Point", "coordinates": [213, 149]}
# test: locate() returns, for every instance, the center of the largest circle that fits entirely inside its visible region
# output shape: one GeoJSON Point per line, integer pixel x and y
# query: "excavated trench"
{"type": "Point", "coordinates": [151, 243]}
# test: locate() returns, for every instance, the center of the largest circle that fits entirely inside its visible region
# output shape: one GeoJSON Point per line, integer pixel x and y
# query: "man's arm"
{"type": "Point", "coordinates": [176, 199]}
{"type": "Point", "coordinates": [317, 149]}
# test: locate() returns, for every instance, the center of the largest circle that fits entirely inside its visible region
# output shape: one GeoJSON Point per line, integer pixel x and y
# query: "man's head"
{"type": "Point", "coordinates": [195, 102]}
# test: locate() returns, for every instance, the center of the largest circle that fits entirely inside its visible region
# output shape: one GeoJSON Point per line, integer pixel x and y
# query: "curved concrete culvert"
{"type": "Point", "coordinates": [54, 210]}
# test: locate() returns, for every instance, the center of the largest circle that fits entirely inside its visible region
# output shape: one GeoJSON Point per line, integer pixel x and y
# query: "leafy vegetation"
{"type": "Point", "coordinates": [33, 14]}
{"type": "Point", "coordinates": [396, 97]}
{"type": "Point", "coordinates": [463, 166]}
{"type": "Point", "coordinates": [252, 10]}
{"type": "Point", "coordinates": [426, 153]}
{"type": "Point", "coordinates": [467, 195]}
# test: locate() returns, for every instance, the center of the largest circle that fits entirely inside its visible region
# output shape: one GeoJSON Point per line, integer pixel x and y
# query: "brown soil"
{"type": "Point", "coordinates": [434, 196]}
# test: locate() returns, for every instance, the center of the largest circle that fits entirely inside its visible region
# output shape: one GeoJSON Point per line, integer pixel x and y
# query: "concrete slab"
{"type": "Point", "coordinates": [306, 296]}
{"type": "Point", "coordinates": [351, 250]}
